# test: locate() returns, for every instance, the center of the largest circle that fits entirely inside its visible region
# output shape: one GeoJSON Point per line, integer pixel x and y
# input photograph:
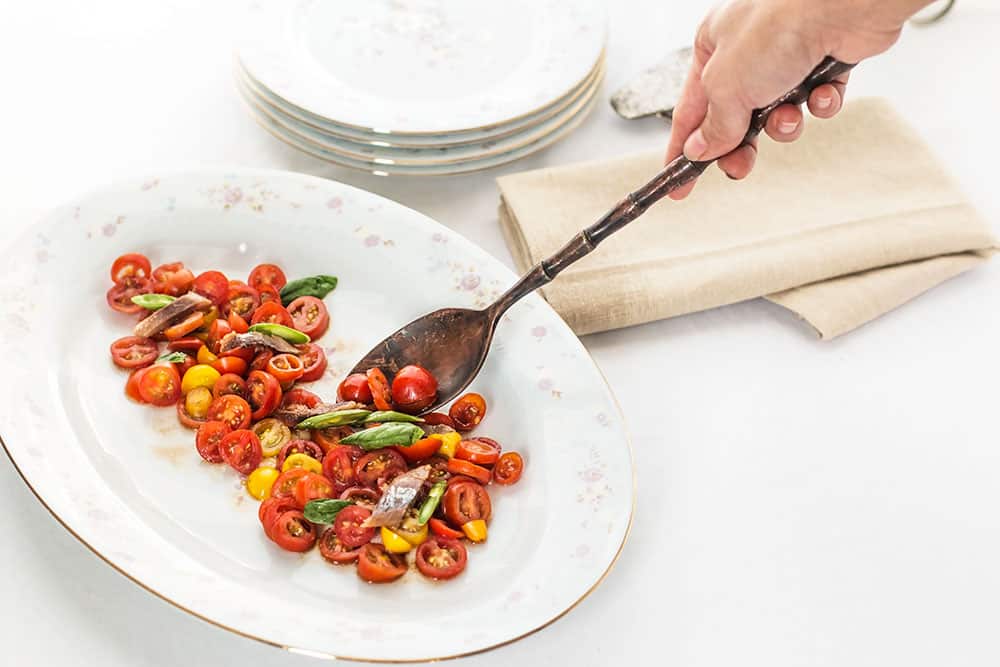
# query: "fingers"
{"type": "Point", "coordinates": [738, 164]}
{"type": "Point", "coordinates": [785, 123]}
{"type": "Point", "coordinates": [723, 129]}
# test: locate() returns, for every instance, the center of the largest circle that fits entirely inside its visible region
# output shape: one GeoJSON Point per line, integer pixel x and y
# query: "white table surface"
{"type": "Point", "coordinates": [800, 503]}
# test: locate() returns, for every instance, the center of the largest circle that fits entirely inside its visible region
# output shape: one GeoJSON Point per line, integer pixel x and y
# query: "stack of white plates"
{"type": "Point", "coordinates": [421, 87]}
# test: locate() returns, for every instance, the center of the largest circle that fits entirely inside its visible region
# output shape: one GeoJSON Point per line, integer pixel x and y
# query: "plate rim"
{"type": "Point", "coordinates": [27, 232]}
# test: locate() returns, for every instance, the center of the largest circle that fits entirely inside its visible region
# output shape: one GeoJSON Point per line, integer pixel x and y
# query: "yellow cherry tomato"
{"type": "Point", "coordinates": [199, 375]}
{"type": "Point", "coordinates": [197, 401]}
{"type": "Point", "coordinates": [205, 356]}
{"type": "Point", "coordinates": [272, 434]}
{"type": "Point", "coordinates": [211, 315]}
{"type": "Point", "coordinates": [300, 460]}
{"type": "Point", "coordinates": [411, 530]}
{"type": "Point", "coordinates": [260, 481]}
{"type": "Point", "coordinates": [449, 442]}
{"type": "Point", "coordinates": [475, 530]}
{"type": "Point", "coordinates": [393, 543]}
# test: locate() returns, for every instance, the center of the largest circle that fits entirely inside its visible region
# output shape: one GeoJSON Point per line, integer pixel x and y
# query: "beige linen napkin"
{"type": "Point", "coordinates": [849, 222]}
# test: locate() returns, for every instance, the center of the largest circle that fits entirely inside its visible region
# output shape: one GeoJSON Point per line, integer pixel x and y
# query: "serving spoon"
{"type": "Point", "coordinates": [452, 343]}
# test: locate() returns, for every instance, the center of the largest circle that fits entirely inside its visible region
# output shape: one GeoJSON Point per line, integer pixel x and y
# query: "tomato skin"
{"type": "Point", "coordinates": [213, 285]}
{"type": "Point", "coordinates": [466, 502]}
{"type": "Point", "coordinates": [482, 451]}
{"type": "Point", "coordinates": [134, 352]}
{"type": "Point", "coordinates": [216, 332]}
{"type": "Point", "coordinates": [264, 393]}
{"type": "Point", "coordinates": [191, 345]}
{"type": "Point", "coordinates": [420, 450]}
{"type": "Point", "coordinates": [272, 312]}
{"type": "Point", "coordinates": [284, 486]}
{"type": "Point", "coordinates": [269, 275]}
{"type": "Point", "coordinates": [508, 469]}
{"type": "Point", "coordinates": [237, 323]}
{"type": "Point", "coordinates": [119, 297]}
{"type": "Point", "coordinates": [132, 385]}
{"type": "Point", "coordinates": [292, 532]}
{"type": "Point", "coordinates": [298, 446]}
{"type": "Point", "coordinates": [376, 565]}
{"type": "Point", "coordinates": [460, 467]}
{"type": "Point", "coordinates": [228, 364]}
{"type": "Point", "coordinates": [210, 434]}
{"type": "Point", "coordinates": [329, 438]}
{"type": "Point", "coordinates": [242, 300]}
{"type": "Point", "coordinates": [312, 486]}
{"type": "Point", "coordinates": [442, 529]}
{"type": "Point", "coordinates": [339, 469]}
{"type": "Point", "coordinates": [310, 316]}
{"type": "Point", "coordinates": [355, 388]}
{"type": "Point", "coordinates": [299, 396]}
{"type": "Point", "coordinates": [268, 294]}
{"type": "Point", "coordinates": [468, 411]}
{"type": "Point", "coordinates": [230, 383]}
{"type": "Point", "coordinates": [438, 418]}
{"type": "Point", "coordinates": [172, 279]}
{"type": "Point", "coordinates": [285, 367]}
{"type": "Point", "coordinates": [333, 550]}
{"type": "Point", "coordinates": [313, 362]}
{"type": "Point", "coordinates": [130, 267]}
{"type": "Point", "coordinates": [361, 496]}
{"type": "Point", "coordinates": [186, 420]}
{"type": "Point", "coordinates": [348, 526]}
{"type": "Point", "coordinates": [160, 385]}
{"type": "Point", "coordinates": [376, 468]}
{"type": "Point", "coordinates": [230, 409]}
{"type": "Point", "coordinates": [413, 389]}
{"type": "Point", "coordinates": [441, 557]}
{"type": "Point", "coordinates": [259, 362]}
{"type": "Point", "coordinates": [273, 506]}
{"type": "Point", "coordinates": [241, 450]}
{"type": "Point", "coordinates": [379, 387]}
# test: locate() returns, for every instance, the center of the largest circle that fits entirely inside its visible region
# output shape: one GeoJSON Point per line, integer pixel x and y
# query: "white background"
{"type": "Point", "coordinates": [800, 503]}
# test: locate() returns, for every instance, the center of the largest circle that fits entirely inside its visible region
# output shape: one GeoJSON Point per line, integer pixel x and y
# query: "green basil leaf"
{"type": "Point", "coordinates": [336, 418]}
{"type": "Point", "coordinates": [171, 357]}
{"type": "Point", "coordinates": [293, 336]}
{"type": "Point", "coordinates": [152, 301]}
{"type": "Point", "coordinates": [317, 286]}
{"type": "Point", "coordinates": [324, 510]}
{"type": "Point", "coordinates": [433, 498]}
{"type": "Point", "coordinates": [391, 416]}
{"type": "Point", "coordinates": [400, 434]}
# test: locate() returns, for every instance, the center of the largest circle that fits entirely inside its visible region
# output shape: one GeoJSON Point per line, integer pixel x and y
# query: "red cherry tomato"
{"type": "Point", "coordinates": [442, 529]}
{"type": "Point", "coordinates": [420, 450]}
{"type": "Point", "coordinates": [333, 550]}
{"type": "Point", "coordinates": [298, 446]}
{"type": "Point", "coordinates": [460, 467]}
{"type": "Point", "coordinates": [237, 323]}
{"type": "Point", "coordinates": [300, 397]}
{"type": "Point", "coordinates": [263, 393]}
{"type": "Point", "coordinates": [269, 275]}
{"type": "Point", "coordinates": [160, 385]}
{"type": "Point", "coordinates": [210, 434]}
{"type": "Point", "coordinates": [120, 296]}
{"type": "Point", "coordinates": [183, 366]}
{"type": "Point", "coordinates": [355, 388]}
{"type": "Point", "coordinates": [242, 300]}
{"type": "Point", "coordinates": [413, 389]}
{"type": "Point", "coordinates": [379, 387]}
{"type": "Point", "coordinates": [216, 332]}
{"type": "Point", "coordinates": [376, 565]}
{"type": "Point", "coordinates": [213, 285]}
{"type": "Point", "coordinates": [189, 344]}
{"type": "Point", "coordinates": [285, 367]}
{"type": "Point", "coordinates": [134, 352]}
{"type": "Point", "coordinates": [360, 496]}
{"type": "Point", "coordinates": [229, 364]}
{"type": "Point", "coordinates": [284, 486]}
{"type": "Point", "coordinates": [483, 451]}
{"type": "Point", "coordinates": [378, 467]}
{"type": "Point", "coordinates": [468, 411]}
{"type": "Point", "coordinates": [186, 420]}
{"type": "Point", "coordinates": [129, 268]}
{"type": "Point", "coordinates": [508, 469]}
{"type": "Point", "coordinates": [313, 361]}
{"type": "Point", "coordinates": [259, 362]}
{"type": "Point", "coordinates": [230, 383]}
{"type": "Point", "coordinates": [312, 486]}
{"type": "Point", "coordinates": [348, 526]}
{"type": "Point", "coordinates": [241, 450]}
{"type": "Point", "coordinates": [292, 532]}
{"type": "Point", "coordinates": [441, 557]}
{"type": "Point", "coordinates": [230, 409]}
{"type": "Point", "coordinates": [132, 385]}
{"type": "Point", "coordinates": [272, 508]}
{"type": "Point", "coordinates": [273, 313]}
{"type": "Point", "coordinates": [438, 418]}
{"type": "Point", "coordinates": [268, 294]}
{"type": "Point", "coordinates": [328, 438]}
{"type": "Point", "coordinates": [310, 316]}
{"type": "Point", "coordinates": [466, 502]}
{"type": "Point", "coordinates": [172, 279]}
{"type": "Point", "coordinates": [339, 469]}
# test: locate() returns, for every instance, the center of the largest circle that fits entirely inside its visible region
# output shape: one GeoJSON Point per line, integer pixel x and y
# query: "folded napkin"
{"type": "Point", "coordinates": [849, 222]}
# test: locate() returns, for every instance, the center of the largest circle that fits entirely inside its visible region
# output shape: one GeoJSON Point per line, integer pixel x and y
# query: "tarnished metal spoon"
{"type": "Point", "coordinates": [452, 343]}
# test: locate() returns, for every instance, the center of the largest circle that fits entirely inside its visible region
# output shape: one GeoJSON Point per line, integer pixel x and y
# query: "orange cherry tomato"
{"type": "Point", "coordinates": [468, 411]}
{"type": "Point", "coordinates": [285, 367]}
{"type": "Point", "coordinates": [508, 469]}
{"type": "Point", "coordinates": [379, 386]}
{"type": "Point", "coordinates": [483, 451]}
{"type": "Point", "coordinates": [312, 486]}
{"type": "Point", "coordinates": [460, 467]}
{"type": "Point", "coordinates": [420, 450]}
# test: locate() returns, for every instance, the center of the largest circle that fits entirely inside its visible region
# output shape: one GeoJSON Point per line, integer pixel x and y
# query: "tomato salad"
{"type": "Point", "coordinates": [365, 478]}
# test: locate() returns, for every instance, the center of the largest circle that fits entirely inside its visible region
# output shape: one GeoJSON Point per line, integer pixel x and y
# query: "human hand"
{"type": "Point", "coordinates": [748, 53]}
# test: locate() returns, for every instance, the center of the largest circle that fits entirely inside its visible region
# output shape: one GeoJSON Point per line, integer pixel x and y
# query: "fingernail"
{"type": "Point", "coordinates": [787, 127]}
{"type": "Point", "coordinates": [695, 146]}
{"type": "Point", "coordinates": [823, 102]}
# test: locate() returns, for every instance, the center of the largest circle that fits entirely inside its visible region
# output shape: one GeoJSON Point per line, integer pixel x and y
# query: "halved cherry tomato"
{"type": "Point", "coordinates": [191, 345]}
{"type": "Point", "coordinates": [259, 362]}
{"type": "Point", "coordinates": [172, 279]}
{"type": "Point", "coordinates": [130, 267]}
{"type": "Point", "coordinates": [132, 385]}
{"type": "Point", "coordinates": [420, 450]}
{"type": "Point", "coordinates": [442, 529]}
{"type": "Point", "coordinates": [313, 361]}
{"type": "Point", "coordinates": [260, 481]}
{"type": "Point", "coordinates": [184, 365]}
{"type": "Point", "coordinates": [185, 326]}
{"type": "Point", "coordinates": [312, 487]}
{"type": "Point", "coordinates": [378, 467]}
{"type": "Point", "coordinates": [184, 415]}
{"type": "Point", "coordinates": [360, 496]}
{"type": "Point", "coordinates": [264, 393]}
{"type": "Point", "coordinates": [231, 409]}
{"type": "Point", "coordinates": [206, 356]}
{"type": "Point", "coordinates": [310, 316]}
{"type": "Point", "coordinates": [284, 486]}
{"type": "Point", "coordinates": [210, 434]}
{"type": "Point", "coordinates": [134, 352]}
{"type": "Point", "coordinates": [241, 450]}
{"type": "Point", "coordinates": [237, 322]}
{"type": "Point", "coordinates": [348, 526]}
{"type": "Point", "coordinates": [333, 550]}
{"type": "Point", "coordinates": [120, 296]}
{"type": "Point", "coordinates": [298, 446]}
{"type": "Point", "coordinates": [441, 557]}
{"type": "Point", "coordinates": [274, 507]}
{"type": "Point", "coordinates": [413, 389]}
{"type": "Point", "coordinates": [339, 469]}
{"type": "Point", "coordinates": [160, 385]}
{"type": "Point", "coordinates": [292, 532]}
{"type": "Point", "coordinates": [268, 294]}
{"type": "Point", "coordinates": [230, 383]}
{"type": "Point", "coordinates": [328, 438]}
{"type": "Point", "coordinates": [438, 418]}
{"type": "Point", "coordinates": [273, 436]}
{"type": "Point", "coordinates": [379, 387]}
{"type": "Point", "coordinates": [297, 397]}
{"type": "Point", "coordinates": [273, 313]}
{"type": "Point", "coordinates": [213, 285]}
{"type": "Point", "coordinates": [355, 388]}
{"type": "Point", "coordinates": [483, 451]}
{"type": "Point", "coordinates": [285, 367]}
{"type": "Point", "coordinates": [376, 565]}
{"type": "Point", "coordinates": [230, 364]}
{"type": "Point", "coordinates": [270, 275]}
{"type": "Point", "coordinates": [242, 300]}
{"type": "Point", "coordinates": [219, 330]}
{"type": "Point", "coordinates": [508, 469]}
{"type": "Point", "coordinates": [468, 411]}
{"type": "Point", "coordinates": [466, 502]}
{"type": "Point", "coordinates": [460, 467]}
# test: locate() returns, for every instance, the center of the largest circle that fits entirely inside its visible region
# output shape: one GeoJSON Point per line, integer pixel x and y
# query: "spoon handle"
{"type": "Point", "coordinates": [679, 172]}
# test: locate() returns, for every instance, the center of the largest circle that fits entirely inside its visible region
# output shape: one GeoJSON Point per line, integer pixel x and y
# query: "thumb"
{"type": "Point", "coordinates": [725, 124]}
